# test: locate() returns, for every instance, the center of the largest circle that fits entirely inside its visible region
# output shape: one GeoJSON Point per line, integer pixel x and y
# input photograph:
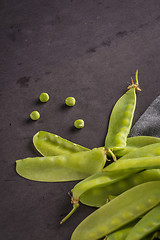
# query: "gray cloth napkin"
{"type": "Point", "coordinates": [149, 123]}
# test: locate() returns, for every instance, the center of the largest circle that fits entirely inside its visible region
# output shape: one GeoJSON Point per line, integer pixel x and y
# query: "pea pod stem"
{"type": "Point", "coordinates": [120, 126]}
{"type": "Point", "coordinates": [112, 154]}
{"type": "Point", "coordinates": [96, 179]}
{"type": "Point", "coordinates": [136, 84]}
{"type": "Point", "coordinates": [75, 206]}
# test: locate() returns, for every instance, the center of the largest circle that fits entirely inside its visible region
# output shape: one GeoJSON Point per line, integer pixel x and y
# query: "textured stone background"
{"type": "Point", "coordinates": [86, 49]}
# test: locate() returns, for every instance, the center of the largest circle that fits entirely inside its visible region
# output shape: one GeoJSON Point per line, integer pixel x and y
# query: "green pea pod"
{"type": "Point", "coordinates": [120, 211]}
{"type": "Point", "coordinates": [67, 167]}
{"type": "Point", "coordinates": [49, 144]}
{"type": "Point", "coordinates": [122, 233]}
{"type": "Point", "coordinates": [98, 196]}
{"type": "Point", "coordinates": [96, 180]}
{"type": "Point", "coordinates": [134, 143]}
{"type": "Point", "coordinates": [148, 224]}
{"type": "Point", "coordinates": [151, 150]}
{"type": "Point", "coordinates": [121, 119]}
{"type": "Point", "coordinates": [134, 164]}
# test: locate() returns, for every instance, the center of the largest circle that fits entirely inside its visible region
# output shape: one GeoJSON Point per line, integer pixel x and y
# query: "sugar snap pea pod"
{"type": "Point", "coordinates": [120, 211]}
{"type": "Point", "coordinates": [63, 167]}
{"type": "Point", "coordinates": [134, 143]}
{"type": "Point", "coordinates": [97, 196]}
{"type": "Point", "coordinates": [146, 151]}
{"type": "Point", "coordinates": [49, 144]}
{"type": "Point", "coordinates": [99, 179]}
{"type": "Point", "coordinates": [121, 119]}
{"type": "Point", "coordinates": [148, 224]}
{"type": "Point", "coordinates": [133, 164]}
{"type": "Point", "coordinates": [122, 233]}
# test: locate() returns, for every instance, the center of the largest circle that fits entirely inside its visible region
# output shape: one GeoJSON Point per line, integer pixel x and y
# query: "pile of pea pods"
{"type": "Point", "coordinates": [121, 179]}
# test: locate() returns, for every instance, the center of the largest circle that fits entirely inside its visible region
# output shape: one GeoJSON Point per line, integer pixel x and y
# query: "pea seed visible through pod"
{"type": "Point", "coordinates": [49, 144]}
{"type": "Point", "coordinates": [134, 143]}
{"type": "Point", "coordinates": [146, 225]}
{"type": "Point", "coordinates": [100, 222]}
{"type": "Point", "coordinates": [121, 119]}
{"type": "Point", "coordinates": [67, 167]}
{"type": "Point", "coordinates": [99, 179]}
{"type": "Point", "coordinates": [134, 164]}
{"type": "Point", "coordinates": [97, 196]}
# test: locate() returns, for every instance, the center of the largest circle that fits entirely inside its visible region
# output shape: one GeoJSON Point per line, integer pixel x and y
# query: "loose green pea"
{"type": "Point", "coordinates": [79, 123]}
{"type": "Point", "coordinates": [44, 97]}
{"type": "Point", "coordinates": [70, 101]}
{"type": "Point", "coordinates": [35, 115]}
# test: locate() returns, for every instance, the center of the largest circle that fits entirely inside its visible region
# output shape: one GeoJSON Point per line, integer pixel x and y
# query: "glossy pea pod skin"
{"type": "Point", "coordinates": [98, 179]}
{"type": "Point", "coordinates": [49, 144]}
{"type": "Point", "coordinates": [150, 150]}
{"type": "Point", "coordinates": [121, 121]}
{"type": "Point", "coordinates": [146, 157]}
{"type": "Point", "coordinates": [98, 196]}
{"type": "Point", "coordinates": [134, 143]}
{"type": "Point", "coordinates": [67, 167]}
{"type": "Point", "coordinates": [149, 223]}
{"type": "Point", "coordinates": [120, 211]}
{"type": "Point", "coordinates": [121, 233]}
{"type": "Point", "coordinates": [133, 164]}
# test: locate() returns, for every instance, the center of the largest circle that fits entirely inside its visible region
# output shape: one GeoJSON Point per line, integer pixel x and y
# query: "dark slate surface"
{"type": "Point", "coordinates": [86, 49]}
{"type": "Point", "coordinates": [149, 122]}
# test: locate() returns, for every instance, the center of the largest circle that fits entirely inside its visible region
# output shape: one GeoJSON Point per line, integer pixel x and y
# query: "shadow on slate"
{"type": "Point", "coordinates": [149, 123]}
